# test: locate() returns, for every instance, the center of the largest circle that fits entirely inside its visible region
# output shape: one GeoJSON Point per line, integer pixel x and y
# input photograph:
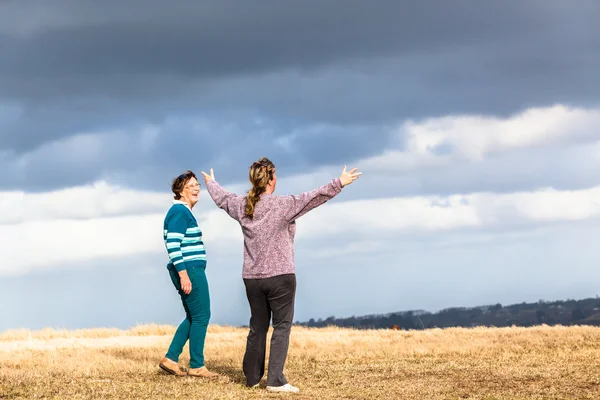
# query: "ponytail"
{"type": "Point", "coordinates": [260, 174]}
{"type": "Point", "coordinates": [253, 198]}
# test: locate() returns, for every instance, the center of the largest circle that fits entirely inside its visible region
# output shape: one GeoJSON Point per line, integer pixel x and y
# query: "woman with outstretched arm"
{"type": "Point", "coordinates": [268, 225]}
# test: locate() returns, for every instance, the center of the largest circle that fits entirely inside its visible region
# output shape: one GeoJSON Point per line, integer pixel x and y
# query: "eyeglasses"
{"type": "Point", "coordinates": [194, 186]}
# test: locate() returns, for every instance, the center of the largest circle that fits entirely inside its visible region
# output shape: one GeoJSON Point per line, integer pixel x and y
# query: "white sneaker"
{"type": "Point", "coordinates": [287, 388]}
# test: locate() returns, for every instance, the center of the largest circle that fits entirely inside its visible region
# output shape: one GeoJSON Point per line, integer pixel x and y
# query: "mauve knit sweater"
{"type": "Point", "coordinates": [269, 235]}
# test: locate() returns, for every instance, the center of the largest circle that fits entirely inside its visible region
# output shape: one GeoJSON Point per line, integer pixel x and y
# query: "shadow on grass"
{"type": "Point", "coordinates": [234, 374]}
{"type": "Point", "coordinates": [228, 375]}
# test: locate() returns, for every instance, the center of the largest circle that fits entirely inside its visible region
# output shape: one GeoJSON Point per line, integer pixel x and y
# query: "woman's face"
{"type": "Point", "coordinates": [191, 191]}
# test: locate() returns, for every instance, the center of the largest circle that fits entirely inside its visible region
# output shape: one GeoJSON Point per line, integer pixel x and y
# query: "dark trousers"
{"type": "Point", "coordinates": [269, 297]}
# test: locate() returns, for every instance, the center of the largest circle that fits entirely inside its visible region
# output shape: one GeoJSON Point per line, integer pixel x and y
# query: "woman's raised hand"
{"type": "Point", "coordinates": [208, 178]}
{"type": "Point", "coordinates": [348, 177]}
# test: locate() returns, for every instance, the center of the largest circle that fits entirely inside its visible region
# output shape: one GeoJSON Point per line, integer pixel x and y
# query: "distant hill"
{"type": "Point", "coordinates": [567, 312]}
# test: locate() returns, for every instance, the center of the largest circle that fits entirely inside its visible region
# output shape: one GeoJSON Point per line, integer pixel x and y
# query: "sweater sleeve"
{"type": "Point", "coordinates": [176, 229]}
{"type": "Point", "coordinates": [230, 202]}
{"type": "Point", "coordinates": [298, 205]}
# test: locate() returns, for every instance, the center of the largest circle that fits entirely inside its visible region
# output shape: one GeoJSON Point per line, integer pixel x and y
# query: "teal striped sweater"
{"type": "Point", "coordinates": [183, 238]}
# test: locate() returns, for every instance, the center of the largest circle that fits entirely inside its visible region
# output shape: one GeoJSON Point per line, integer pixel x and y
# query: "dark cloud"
{"type": "Point", "coordinates": [214, 38]}
{"type": "Point", "coordinates": [97, 67]}
{"type": "Point", "coordinates": [149, 157]}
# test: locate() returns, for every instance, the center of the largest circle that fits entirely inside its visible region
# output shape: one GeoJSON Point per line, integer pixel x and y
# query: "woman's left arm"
{"type": "Point", "coordinates": [298, 205]}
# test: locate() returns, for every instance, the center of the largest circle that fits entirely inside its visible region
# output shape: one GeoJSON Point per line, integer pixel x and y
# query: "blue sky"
{"type": "Point", "coordinates": [476, 126]}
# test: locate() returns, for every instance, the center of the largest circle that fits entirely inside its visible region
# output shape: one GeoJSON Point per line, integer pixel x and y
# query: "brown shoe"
{"type": "Point", "coordinates": [202, 373]}
{"type": "Point", "coordinates": [171, 367]}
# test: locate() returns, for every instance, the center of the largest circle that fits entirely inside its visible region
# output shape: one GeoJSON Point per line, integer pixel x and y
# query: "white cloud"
{"type": "Point", "coordinates": [47, 244]}
{"type": "Point", "coordinates": [437, 142]}
{"type": "Point", "coordinates": [409, 215]}
{"type": "Point", "coordinates": [81, 224]}
{"type": "Point", "coordinates": [539, 206]}
{"type": "Point", "coordinates": [85, 202]}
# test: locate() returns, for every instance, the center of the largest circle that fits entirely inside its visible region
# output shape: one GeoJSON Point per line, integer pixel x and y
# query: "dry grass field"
{"type": "Point", "coordinates": [328, 363]}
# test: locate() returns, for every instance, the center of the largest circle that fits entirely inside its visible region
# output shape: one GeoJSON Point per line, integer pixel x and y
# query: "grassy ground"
{"type": "Point", "coordinates": [329, 363]}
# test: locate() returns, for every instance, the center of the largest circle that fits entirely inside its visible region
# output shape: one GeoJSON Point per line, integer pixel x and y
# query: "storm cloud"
{"type": "Point", "coordinates": [72, 68]}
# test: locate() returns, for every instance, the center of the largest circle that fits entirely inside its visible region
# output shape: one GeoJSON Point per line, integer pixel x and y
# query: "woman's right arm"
{"type": "Point", "coordinates": [230, 202]}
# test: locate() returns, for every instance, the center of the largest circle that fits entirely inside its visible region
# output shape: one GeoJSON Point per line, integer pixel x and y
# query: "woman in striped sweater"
{"type": "Point", "coordinates": [268, 224]}
{"type": "Point", "coordinates": [187, 262]}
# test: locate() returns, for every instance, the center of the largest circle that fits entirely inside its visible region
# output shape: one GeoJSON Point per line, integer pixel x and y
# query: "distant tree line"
{"type": "Point", "coordinates": [568, 312]}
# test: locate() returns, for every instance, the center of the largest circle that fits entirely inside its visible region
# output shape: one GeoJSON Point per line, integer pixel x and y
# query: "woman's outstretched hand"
{"type": "Point", "coordinates": [348, 177]}
{"type": "Point", "coordinates": [208, 178]}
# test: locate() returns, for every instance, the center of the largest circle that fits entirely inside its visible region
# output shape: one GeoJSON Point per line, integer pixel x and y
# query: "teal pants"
{"type": "Point", "coordinates": [197, 315]}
